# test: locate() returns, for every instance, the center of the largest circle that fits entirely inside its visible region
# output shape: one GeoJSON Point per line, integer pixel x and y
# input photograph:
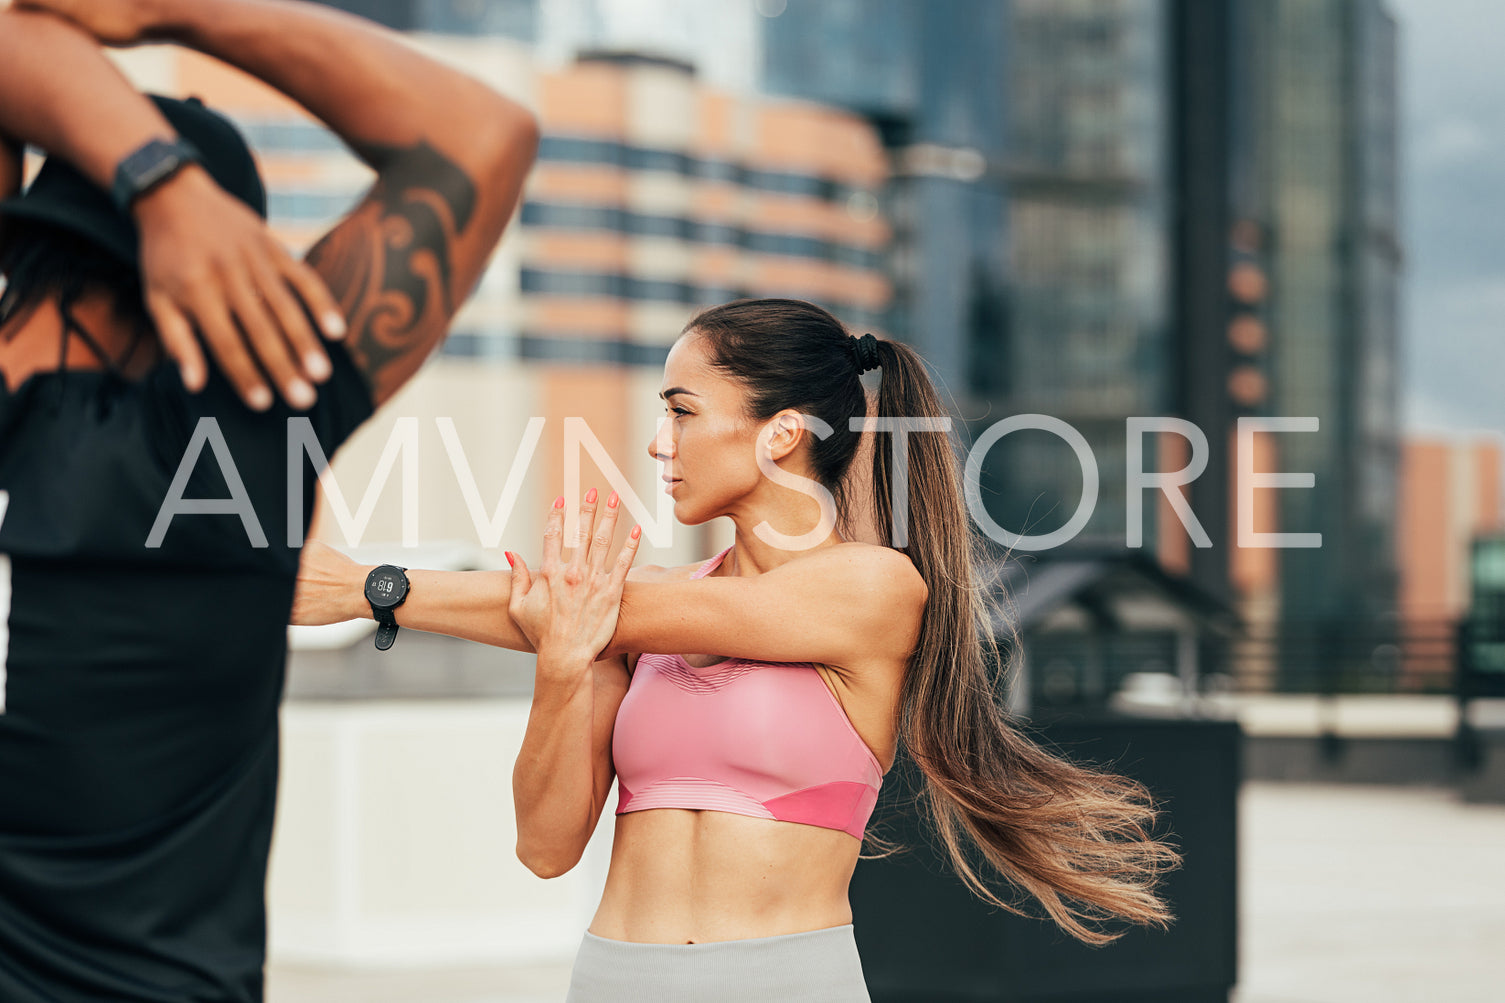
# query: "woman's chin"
{"type": "Point", "coordinates": [688, 515]}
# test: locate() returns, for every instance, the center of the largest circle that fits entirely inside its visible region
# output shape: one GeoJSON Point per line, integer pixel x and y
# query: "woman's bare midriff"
{"type": "Point", "coordinates": [692, 876]}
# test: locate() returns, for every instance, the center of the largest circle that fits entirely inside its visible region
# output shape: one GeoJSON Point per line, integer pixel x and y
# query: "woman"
{"type": "Point", "coordinates": [837, 651]}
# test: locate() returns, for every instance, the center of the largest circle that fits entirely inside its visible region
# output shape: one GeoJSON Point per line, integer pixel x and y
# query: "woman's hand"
{"type": "Point", "coordinates": [331, 587]}
{"type": "Point", "coordinates": [570, 610]}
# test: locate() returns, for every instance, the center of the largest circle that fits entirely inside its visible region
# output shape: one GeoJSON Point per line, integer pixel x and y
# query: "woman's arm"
{"type": "Point", "coordinates": [828, 606]}
{"type": "Point", "coordinates": [834, 605]}
{"type": "Point", "coordinates": [564, 769]}
{"type": "Point", "coordinates": [568, 611]}
{"type": "Point", "coordinates": [466, 604]}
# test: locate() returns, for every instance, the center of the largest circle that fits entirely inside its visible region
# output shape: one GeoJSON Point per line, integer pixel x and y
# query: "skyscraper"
{"type": "Point", "coordinates": [1029, 204]}
{"type": "Point", "coordinates": [1320, 196]}
{"type": "Point", "coordinates": [1150, 207]}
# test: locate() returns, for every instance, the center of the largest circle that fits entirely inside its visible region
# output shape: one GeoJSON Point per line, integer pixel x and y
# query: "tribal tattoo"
{"type": "Point", "coordinates": [391, 263]}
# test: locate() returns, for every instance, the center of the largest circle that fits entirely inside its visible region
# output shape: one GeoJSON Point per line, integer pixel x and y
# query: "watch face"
{"type": "Point", "coordinates": [386, 587]}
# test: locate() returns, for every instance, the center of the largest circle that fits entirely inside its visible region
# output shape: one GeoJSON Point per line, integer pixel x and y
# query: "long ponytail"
{"type": "Point", "coordinates": [1074, 838]}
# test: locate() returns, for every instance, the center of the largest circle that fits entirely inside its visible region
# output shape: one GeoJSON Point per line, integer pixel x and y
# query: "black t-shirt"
{"type": "Point", "coordinates": [139, 739]}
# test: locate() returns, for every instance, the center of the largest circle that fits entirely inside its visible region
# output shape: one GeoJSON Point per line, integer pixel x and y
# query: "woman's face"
{"type": "Point", "coordinates": [704, 439]}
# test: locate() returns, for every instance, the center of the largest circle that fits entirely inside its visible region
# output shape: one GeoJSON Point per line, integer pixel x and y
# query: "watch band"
{"type": "Point", "coordinates": [386, 629]}
{"type": "Point", "coordinates": [148, 166]}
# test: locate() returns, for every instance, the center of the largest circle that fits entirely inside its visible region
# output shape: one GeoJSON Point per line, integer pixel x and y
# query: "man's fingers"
{"type": "Point", "coordinates": [229, 350]}
{"type": "Point", "coordinates": [266, 340]}
{"type": "Point", "coordinates": [293, 321]}
{"type": "Point", "coordinates": [176, 334]}
{"type": "Point", "coordinates": [317, 297]}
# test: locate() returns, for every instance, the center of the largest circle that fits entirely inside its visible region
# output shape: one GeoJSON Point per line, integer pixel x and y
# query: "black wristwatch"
{"type": "Point", "coordinates": [386, 589]}
{"type": "Point", "coordinates": [149, 166]}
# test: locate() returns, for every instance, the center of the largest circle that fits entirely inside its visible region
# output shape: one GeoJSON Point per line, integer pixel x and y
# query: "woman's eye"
{"type": "Point", "coordinates": [679, 410]}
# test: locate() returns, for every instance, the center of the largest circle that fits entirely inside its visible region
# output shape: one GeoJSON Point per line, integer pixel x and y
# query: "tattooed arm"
{"type": "Point", "coordinates": [450, 154]}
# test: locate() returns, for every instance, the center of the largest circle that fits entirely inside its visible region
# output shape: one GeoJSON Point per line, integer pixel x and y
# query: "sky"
{"type": "Point", "coordinates": [1452, 81]}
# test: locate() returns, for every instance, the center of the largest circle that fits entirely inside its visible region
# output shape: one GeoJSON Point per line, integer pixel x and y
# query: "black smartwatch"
{"type": "Point", "coordinates": [386, 589]}
{"type": "Point", "coordinates": [148, 167]}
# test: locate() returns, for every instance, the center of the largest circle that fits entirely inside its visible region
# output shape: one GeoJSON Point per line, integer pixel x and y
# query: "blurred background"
{"type": "Point", "coordinates": [1091, 209]}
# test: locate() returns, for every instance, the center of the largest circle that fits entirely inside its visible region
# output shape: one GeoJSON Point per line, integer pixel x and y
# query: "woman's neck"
{"type": "Point", "coordinates": [751, 555]}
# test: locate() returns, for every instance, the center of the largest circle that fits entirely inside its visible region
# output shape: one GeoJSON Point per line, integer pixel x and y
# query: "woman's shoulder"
{"type": "Point", "coordinates": [879, 577]}
{"type": "Point", "coordinates": [884, 564]}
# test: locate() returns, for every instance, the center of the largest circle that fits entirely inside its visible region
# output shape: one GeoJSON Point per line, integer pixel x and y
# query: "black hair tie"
{"type": "Point", "coordinates": [865, 352]}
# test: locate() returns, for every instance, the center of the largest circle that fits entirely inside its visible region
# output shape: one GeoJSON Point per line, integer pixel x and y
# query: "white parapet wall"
{"type": "Point", "coordinates": [395, 841]}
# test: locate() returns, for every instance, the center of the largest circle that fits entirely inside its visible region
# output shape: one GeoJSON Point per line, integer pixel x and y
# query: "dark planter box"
{"type": "Point", "coordinates": [924, 936]}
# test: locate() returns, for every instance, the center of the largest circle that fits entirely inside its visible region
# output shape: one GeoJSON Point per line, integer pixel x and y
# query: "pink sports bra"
{"type": "Point", "coordinates": [766, 739]}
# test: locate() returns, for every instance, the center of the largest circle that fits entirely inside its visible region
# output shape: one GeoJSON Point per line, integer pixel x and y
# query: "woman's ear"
{"type": "Point", "coordinates": [784, 433]}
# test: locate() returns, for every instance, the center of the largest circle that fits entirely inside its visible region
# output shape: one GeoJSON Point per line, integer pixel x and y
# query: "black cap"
{"type": "Point", "coordinates": [62, 196]}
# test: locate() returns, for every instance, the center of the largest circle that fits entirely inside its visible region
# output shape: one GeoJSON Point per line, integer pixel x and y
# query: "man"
{"type": "Point", "coordinates": [141, 671]}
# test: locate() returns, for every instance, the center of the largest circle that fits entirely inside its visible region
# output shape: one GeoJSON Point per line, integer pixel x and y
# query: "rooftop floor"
{"type": "Point", "coordinates": [1348, 894]}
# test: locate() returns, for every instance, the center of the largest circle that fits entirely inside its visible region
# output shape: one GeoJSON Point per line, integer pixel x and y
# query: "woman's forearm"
{"type": "Point", "coordinates": [366, 83]}
{"type": "Point", "coordinates": [553, 780]}
{"type": "Point", "coordinates": [466, 604]}
{"type": "Point", "coordinates": [90, 115]}
{"type": "Point", "coordinates": [471, 605]}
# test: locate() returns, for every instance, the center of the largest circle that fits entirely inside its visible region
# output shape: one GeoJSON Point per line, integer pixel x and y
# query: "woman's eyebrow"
{"type": "Point", "coordinates": [666, 394]}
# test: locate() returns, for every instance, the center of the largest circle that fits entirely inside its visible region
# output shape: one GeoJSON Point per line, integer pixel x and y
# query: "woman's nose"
{"type": "Point", "coordinates": [661, 446]}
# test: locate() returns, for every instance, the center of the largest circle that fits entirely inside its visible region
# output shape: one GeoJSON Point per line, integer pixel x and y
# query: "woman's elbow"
{"type": "Point", "coordinates": [546, 867]}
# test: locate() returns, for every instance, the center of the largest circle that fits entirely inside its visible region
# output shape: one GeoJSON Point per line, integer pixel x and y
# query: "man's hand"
{"type": "Point", "coordinates": [209, 263]}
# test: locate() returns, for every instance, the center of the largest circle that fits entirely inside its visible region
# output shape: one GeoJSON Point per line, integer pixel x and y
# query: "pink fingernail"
{"type": "Point", "coordinates": [559, 502]}
{"type": "Point", "coordinates": [509, 558]}
{"type": "Point", "coordinates": [636, 531]}
{"type": "Point", "coordinates": [590, 496]}
{"type": "Point", "coordinates": [612, 501]}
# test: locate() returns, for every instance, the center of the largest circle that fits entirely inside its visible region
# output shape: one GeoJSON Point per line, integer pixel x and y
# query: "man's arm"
{"type": "Point", "coordinates": [208, 261]}
{"type": "Point", "coordinates": [450, 153]}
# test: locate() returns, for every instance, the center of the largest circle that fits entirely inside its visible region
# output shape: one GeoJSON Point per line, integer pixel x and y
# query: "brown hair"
{"type": "Point", "coordinates": [1074, 838]}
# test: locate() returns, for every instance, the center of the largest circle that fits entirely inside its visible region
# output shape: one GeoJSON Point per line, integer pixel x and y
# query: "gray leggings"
{"type": "Point", "coordinates": [812, 966]}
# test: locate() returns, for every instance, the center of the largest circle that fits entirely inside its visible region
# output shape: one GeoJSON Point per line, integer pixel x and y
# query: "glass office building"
{"type": "Point", "coordinates": [1029, 259]}
{"type": "Point", "coordinates": [1324, 192]}
{"type": "Point", "coordinates": [1149, 207]}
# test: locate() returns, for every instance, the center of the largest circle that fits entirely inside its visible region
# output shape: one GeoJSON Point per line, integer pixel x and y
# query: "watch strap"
{"type": "Point", "coordinates": [386, 629]}
{"type": "Point", "coordinates": [149, 166]}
